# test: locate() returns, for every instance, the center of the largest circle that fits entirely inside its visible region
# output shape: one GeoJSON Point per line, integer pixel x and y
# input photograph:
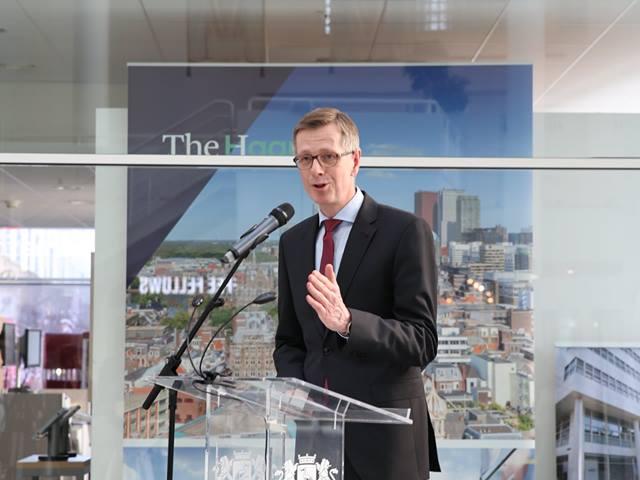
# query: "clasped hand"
{"type": "Point", "coordinates": [325, 298]}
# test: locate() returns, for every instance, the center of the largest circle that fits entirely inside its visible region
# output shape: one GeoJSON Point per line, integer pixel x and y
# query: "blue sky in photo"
{"type": "Point", "coordinates": [476, 463]}
{"type": "Point", "coordinates": [236, 198]}
{"type": "Point", "coordinates": [143, 463]}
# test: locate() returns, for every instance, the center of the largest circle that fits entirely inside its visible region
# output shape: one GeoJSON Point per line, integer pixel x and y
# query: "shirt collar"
{"type": "Point", "coordinates": [349, 212]}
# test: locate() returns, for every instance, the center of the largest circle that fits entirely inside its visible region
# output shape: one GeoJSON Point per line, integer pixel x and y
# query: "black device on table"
{"type": "Point", "coordinates": [56, 430]}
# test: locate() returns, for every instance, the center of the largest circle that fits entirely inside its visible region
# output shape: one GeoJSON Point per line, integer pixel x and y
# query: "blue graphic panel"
{"type": "Point", "coordinates": [410, 111]}
{"type": "Point", "coordinates": [470, 111]}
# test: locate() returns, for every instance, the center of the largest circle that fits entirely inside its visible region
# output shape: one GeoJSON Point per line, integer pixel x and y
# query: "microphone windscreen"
{"type": "Point", "coordinates": [283, 213]}
{"type": "Point", "coordinates": [197, 301]}
{"type": "Point", "coordinates": [264, 298]}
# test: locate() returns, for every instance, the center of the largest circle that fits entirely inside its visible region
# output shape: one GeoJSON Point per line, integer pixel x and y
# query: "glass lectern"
{"type": "Point", "coordinates": [276, 428]}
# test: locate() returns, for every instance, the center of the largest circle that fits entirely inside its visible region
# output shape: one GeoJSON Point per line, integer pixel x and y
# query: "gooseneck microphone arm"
{"type": "Point", "coordinates": [259, 300]}
{"type": "Point", "coordinates": [173, 362]}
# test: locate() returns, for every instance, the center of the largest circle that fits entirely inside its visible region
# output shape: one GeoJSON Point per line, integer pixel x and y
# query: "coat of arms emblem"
{"type": "Point", "coordinates": [241, 467]}
{"type": "Point", "coordinates": [307, 469]}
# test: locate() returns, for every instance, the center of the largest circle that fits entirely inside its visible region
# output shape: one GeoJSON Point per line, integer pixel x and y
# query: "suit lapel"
{"type": "Point", "coordinates": [360, 237]}
{"type": "Point", "coordinates": [304, 265]}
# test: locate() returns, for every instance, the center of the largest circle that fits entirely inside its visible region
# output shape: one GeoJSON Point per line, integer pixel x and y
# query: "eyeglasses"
{"type": "Point", "coordinates": [325, 159]}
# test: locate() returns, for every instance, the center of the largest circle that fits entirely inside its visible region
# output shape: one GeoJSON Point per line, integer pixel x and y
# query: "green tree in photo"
{"type": "Point", "coordinates": [178, 321]}
{"type": "Point", "coordinates": [149, 300]}
{"type": "Point", "coordinates": [220, 315]}
{"type": "Point", "coordinates": [525, 422]}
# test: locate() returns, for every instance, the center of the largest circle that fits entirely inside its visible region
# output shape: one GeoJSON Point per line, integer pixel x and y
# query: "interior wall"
{"type": "Point", "coordinates": [54, 117]}
{"type": "Point", "coordinates": [585, 135]}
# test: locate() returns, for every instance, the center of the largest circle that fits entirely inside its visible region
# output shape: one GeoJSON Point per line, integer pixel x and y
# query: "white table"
{"type": "Point", "coordinates": [31, 467]}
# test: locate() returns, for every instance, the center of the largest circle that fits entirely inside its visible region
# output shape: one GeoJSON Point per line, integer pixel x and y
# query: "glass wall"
{"type": "Point", "coordinates": [509, 126]}
{"type": "Point", "coordinates": [46, 246]}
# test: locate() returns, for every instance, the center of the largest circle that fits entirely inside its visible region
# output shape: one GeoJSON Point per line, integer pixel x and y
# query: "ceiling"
{"type": "Point", "coordinates": [46, 196]}
{"type": "Point", "coordinates": [577, 47]}
{"type": "Point", "coordinates": [60, 60]}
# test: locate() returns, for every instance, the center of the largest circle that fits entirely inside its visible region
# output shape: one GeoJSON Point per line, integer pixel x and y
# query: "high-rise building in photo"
{"type": "Point", "coordinates": [493, 255]}
{"type": "Point", "coordinates": [524, 237]}
{"type": "Point", "coordinates": [426, 207]}
{"type": "Point", "coordinates": [448, 227]}
{"type": "Point", "coordinates": [497, 234]}
{"type": "Point", "coordinates": [523, 254]}
{"type": "Point", "coordinates": [468, 212]}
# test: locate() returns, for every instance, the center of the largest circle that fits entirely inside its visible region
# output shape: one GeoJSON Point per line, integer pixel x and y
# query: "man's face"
{"type": "Point", "coordinates": [330, 187]}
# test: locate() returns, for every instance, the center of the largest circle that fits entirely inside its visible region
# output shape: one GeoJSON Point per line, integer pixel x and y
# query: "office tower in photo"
{"type": "Point", "coordinates": [468, 212]}
{"type": "Point", "coordinates": [426, 207]}
{"type": "Point", "coordinates": [448, 227]}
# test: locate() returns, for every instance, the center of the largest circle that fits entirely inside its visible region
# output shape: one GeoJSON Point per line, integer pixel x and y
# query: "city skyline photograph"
{"type": "Point", "coordinates": [236, 198]}
{"type": "Point", "coordinates": [479, 387]}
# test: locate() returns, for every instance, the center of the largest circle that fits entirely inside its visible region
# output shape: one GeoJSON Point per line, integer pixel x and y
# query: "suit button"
{"type": "Point", "coordinates": [326, 350]}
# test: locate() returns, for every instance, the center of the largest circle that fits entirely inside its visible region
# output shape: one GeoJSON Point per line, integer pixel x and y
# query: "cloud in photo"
{"type": "Point", "coordinates": [390, 150]}
{"type": "Point", "coordinates": [378, 173]}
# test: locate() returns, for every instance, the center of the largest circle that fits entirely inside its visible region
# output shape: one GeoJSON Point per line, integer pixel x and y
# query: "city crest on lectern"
{"type": "Point", "coordinates": [243, 466]}
{"type": "Point", "coordinates": [307, 469]}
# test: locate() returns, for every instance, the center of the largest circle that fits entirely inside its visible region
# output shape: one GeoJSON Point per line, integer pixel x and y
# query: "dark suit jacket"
{"type": "Point", "coordinates": [388, 280]}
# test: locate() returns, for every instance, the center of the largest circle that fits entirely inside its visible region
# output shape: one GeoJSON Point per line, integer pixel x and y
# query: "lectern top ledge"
{"type": "Point", "coordinates": [277, 428]}
{"type": "Point", "coordinates": [293, 397]}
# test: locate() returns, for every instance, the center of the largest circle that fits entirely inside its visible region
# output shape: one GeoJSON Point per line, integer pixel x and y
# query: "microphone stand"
{"type": "Point", "coordinates": [170, 369]}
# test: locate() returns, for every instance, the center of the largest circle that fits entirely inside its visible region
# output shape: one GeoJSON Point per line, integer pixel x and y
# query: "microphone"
{"type": "Point", "coordinates": [259, 300]}
{"type": "Point", "coordinates": [264, 298]}
{"type": "Point", "coordinates": [259, 233]}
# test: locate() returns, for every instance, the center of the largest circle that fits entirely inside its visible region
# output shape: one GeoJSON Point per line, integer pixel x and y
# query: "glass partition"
{"type": "Point", "coordinates": [154, 135]}
{"type": "Point", "coordinates": [46, 245]}
{"type": "Point", "coordinates": [525, 237]}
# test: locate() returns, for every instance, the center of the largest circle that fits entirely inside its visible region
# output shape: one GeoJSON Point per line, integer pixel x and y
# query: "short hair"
{"type": "Point", "coordinates": [321, 117]}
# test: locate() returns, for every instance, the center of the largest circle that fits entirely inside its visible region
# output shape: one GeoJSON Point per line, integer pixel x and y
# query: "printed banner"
{"type": "Point", "coordinates": [481, 386]}
{"type": "Point", "coordinates": [418, 111]}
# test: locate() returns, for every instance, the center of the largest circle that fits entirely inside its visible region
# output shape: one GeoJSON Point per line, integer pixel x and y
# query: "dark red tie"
{"type": "Point", "coordinates": [328, 248]}
{"type": "Point", "coordinates": [327, 243]}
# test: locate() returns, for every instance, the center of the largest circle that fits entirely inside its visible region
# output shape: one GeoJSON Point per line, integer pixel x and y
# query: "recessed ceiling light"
{"type": "Point", "coordinates": [12, 203]}
{"type": "Point", "coordinates": [78, 202]}
{"type": "Point", "coordinates": [61, 186]}
{"type": "Point", "coordinates": [16, 67]}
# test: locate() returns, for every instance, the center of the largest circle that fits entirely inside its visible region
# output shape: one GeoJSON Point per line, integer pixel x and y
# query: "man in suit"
{"type": "Point", "coordinates": [357, 302]}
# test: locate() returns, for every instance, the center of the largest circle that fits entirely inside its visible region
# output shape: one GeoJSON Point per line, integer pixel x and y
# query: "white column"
{"type": "Point", "coordinates": [636, 439]}
{"type": "Point", "coordinates": [108, 329]}
{"type": "Point", "coordinates": [607, 457]}
{"type": "Point", "coordinates": [576, 441]}
{"type": "Point", "coordinates": [111, 130]}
